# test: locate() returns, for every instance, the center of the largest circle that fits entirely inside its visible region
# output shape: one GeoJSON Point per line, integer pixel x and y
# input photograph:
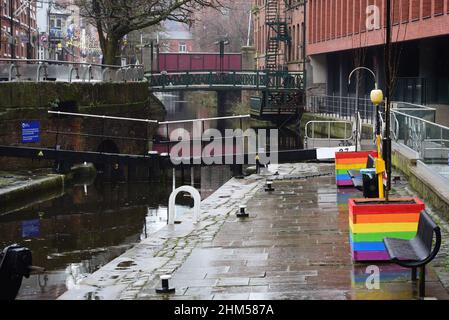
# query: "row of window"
{"type": "Point", "coordinates": [17, 4]}
{"type": "Point", "coordinates": [329, 19]}
{"type": "Point", "coordinates": [295, 49]}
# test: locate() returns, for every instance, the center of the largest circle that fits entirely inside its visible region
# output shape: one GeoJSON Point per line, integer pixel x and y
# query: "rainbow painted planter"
{"type": "Point", "coordinates": [372, 220]}
{"type": "Point", "coordinates": [345, 161]}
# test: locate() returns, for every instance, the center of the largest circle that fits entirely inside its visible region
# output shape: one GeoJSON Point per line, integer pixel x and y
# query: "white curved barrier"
{"type": "Point", "coordinates": [172, 208]}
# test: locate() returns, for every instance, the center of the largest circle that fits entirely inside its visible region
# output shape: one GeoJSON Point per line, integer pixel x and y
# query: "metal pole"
{"type": "Point", "coordinates": [11, 21]}
{"type": "Point", "coordinates": [304, 44]}
{"type": "Point", "coordinates": [357, 93]}
{"type": "Point", "coordinates": [249, 27]}
{"type": "Point", "coordinates": [152, 57]}
{"type": "Point", "coordinates": [101, 117]}
{"type": "Point", "coordinates": [168, 138]}
{"type": "Point", "coordinates": [387, 141]}
{"type": "Point", "coordinates": [1, 14]}
{"type": "Point", "coordinates": [29, 54]}
{"type": "Point", "coordinates": [206, 119]}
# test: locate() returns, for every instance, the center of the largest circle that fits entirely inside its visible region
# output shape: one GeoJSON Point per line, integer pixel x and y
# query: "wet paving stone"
{"type": "Point", "coordinates": [295, 245]}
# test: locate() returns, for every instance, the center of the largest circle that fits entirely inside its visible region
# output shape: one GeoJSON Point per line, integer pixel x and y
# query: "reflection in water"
{"type": "Point", "coordinates": [393, 280]}
{"type": "Point", "coordinates": [179, 109]}
{"type": "Point", "coordinates": [74, 235]}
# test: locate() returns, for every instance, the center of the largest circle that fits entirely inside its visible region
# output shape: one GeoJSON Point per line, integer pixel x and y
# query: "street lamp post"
{"type": "Point", "coordinates": [377, 99]}
{"type": "Point", "coordinates": [387, 140]}
{"type": "Point", "coordinates": [357, 109]}
{"type": "Point", "coordinates": [222, 44]}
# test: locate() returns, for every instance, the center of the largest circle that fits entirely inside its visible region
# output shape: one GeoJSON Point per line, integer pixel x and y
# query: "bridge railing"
{"type": "Point", "coordinates": [66, 71]}
{"type": "Point", "coordinates": [246, 79]}
{"type": "Point", "coordinates": [412, 125]}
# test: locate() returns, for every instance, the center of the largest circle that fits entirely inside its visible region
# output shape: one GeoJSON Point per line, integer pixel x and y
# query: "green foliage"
{"type": "Point", "coordinates": [54, 104]}
{"type": "Point", "coordinates": [241, 109]}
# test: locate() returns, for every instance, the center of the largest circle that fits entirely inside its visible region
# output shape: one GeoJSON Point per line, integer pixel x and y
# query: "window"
{"type": "Point", "coordinates": [182, 47]}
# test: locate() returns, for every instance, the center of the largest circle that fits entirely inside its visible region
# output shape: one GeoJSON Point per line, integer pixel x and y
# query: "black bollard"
{"type": "Point", "coordinates": [165, 286]}
{"type": "Point", "coordinates": [242, 212]}
{"type": "Point", "coordinates": [269, 186]}
{"type": "Point", "coordinates": [15, 263]}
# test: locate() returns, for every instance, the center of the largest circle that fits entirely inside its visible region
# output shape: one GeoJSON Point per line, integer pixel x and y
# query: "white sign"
{"type": "Point", "coordinates": [329, 153]}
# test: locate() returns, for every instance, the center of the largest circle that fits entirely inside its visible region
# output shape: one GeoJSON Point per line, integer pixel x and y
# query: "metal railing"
{"type": "Point", "coordinates": [66, 71]}
{"type": "Point", "coordinates": [320, 134]}
{"type": "Point", "coordinates": [430, 140]}
{"type": "Point", "coordinates": [248, 79]}
{"type": "Point", "coordinates": [411, 125]}
{"type": "Point", "coordinates": [344, 108]}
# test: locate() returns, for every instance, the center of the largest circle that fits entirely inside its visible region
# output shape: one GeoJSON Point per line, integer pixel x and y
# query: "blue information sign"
{"type": "Point", "coordinates": [30, 132]}
{"type": "Point", "coordinates": [31, 229]}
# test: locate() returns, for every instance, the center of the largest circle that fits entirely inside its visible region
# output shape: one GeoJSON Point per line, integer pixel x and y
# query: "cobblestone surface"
{"type": "Point", "coordinates": [294, 245]}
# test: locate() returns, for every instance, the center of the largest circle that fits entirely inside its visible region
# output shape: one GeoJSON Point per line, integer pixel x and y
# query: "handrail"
{"type": "Point", "coordinates": [101, 116]}
{"type": "Point", "coordinates": [205, 119]}
{"type": "Point", "coordinates": [329, 123]}
{"type": "Point", "coordinates": [64, 71]}
{"type": "Point", "coordinates": [13, 66]}
{"type": "Point", "coordinates": [70, 62]}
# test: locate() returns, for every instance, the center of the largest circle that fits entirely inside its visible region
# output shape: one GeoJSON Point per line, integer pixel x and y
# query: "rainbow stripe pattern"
{"type": "Point", "coordinates": [370, 222]}
{"type": "Point", "coordinates": [345, 161]}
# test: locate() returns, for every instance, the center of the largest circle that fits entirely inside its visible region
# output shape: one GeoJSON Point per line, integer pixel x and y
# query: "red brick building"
{"type": "Point", "coordinates": [23, 27]}
{"type": "Point", "coordinates": [343, 34]}
{"type": "Point", "coordinates": [289, 53]}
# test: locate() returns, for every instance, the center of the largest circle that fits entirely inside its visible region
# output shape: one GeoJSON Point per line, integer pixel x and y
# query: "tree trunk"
{"type": "Point", "coordinates": [111, 51]}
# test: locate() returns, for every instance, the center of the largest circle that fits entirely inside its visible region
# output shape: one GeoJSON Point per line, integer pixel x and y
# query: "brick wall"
{"type": "Point", "coordinates": [412, 19]}
{"type": "Point", "coordinates": [21, 29]}
{"type": "Point", "coordinates": [294, 13]}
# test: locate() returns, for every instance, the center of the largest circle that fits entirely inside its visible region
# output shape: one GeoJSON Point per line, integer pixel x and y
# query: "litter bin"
{"type": "Point", "coordinates": [370, 183]}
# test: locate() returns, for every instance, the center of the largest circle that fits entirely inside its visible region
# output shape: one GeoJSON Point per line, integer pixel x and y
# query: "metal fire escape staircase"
{"type": "Point", "coordinates": [277, 105]}
{"type": "Point", "coordinates": [277, 33]}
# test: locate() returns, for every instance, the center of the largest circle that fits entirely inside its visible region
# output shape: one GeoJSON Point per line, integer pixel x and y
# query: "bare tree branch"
{"type": "Point", "coordinates": [116, 18]}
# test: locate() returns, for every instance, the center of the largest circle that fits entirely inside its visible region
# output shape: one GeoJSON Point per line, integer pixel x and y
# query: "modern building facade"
{"type": "Point", "coordinates": [18, 34]}
{"type": "Point", "coordinates": [343, 34]}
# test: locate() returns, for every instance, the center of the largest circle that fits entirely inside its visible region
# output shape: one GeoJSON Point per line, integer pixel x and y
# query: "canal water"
{"type": "Point", "coordinates": [75, 234]}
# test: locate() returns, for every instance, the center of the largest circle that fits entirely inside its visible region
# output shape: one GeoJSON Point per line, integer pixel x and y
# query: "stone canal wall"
{"type": "Point", "coordinates": [20, 194]}
{"type": "Point", "coordinates": [27, 101]}
{"type": "Point", "coordinates": [430, 186]}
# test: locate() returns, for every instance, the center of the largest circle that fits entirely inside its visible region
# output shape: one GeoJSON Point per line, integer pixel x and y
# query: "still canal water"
{"type": "Point", "coordinates": [75, 234]}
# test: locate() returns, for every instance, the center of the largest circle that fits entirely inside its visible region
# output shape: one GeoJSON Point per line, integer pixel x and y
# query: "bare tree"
{"type": "Point", "coordinates": [231, 22]}
{"type": "Point", "coordinates": [116, 18]}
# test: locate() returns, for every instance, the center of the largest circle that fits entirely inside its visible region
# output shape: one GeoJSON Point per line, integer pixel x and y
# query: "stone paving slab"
{"type": "Point", "coordinates": [164, 251]}
{"type": "Point", "coordinates": [294, 245]}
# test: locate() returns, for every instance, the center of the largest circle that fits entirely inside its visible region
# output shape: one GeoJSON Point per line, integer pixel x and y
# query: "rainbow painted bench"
{"type": "Point", "coordinates": [345, 161]}
{"type": "Point", "coordinates": [372, 220]}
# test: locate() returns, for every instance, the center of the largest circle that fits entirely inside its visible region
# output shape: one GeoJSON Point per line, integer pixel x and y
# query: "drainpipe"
{"type": "Point", "coordinates": [11, 21]}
